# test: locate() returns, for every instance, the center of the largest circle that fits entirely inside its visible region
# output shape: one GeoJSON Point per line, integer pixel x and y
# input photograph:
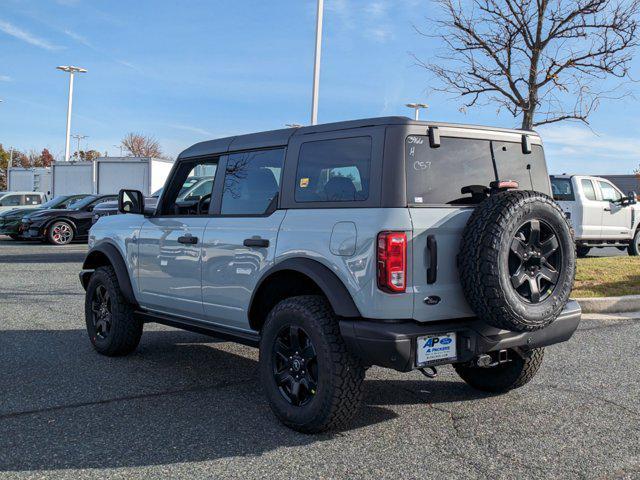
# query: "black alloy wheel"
{"type": "Point", "coordinates": [535, 261]}
{"type": "Point", "coordinates": [101, 312]}
{"type": "Point", "coordinates": [295, 366]}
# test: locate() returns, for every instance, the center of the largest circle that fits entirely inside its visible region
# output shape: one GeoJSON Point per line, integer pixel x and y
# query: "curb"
{"type": "Point", "coordinates": [629, 303]}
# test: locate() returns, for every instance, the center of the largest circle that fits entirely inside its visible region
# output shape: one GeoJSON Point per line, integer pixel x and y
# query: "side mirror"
{"type": "Point", "coordinates": [633, 198]}
{"type": "Point", "coordinates": [130, 201]}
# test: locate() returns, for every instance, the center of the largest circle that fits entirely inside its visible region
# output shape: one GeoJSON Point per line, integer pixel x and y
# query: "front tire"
{"type": "Point", "coordinates": [634, 248]}
{"type": "Point", "coordinates": [111, 324]}
{"type": "Point", "coordinates": [504, 377]}
{"type": "Point", "coordinates": [312, 382]}
{"type": "Point", "coordinates": [60, 233]}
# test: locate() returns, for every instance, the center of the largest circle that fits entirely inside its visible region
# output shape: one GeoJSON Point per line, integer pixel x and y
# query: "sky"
{"type": "Point", "coordinates": [189, 71]}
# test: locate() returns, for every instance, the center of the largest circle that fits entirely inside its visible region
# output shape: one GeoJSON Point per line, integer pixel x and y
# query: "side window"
{"type": "Point", "coordinates": [609, 193]}
{"type": "Point", "coordinates": [11, 201]}
{"type": "Point", "coordinates": [32, 200]}
{"type": "Point", "coordinates": [252, 182]}
{"type": "Point", "coordinates": [334, 170]}
{"type": "Point", "coordinates": [589, 190]}
{"type": "Point", "coordinates": [190, 188]}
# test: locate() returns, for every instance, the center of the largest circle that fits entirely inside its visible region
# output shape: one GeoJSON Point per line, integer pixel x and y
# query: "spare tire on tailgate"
{"type": "Point", "coordinates": [517, 261]}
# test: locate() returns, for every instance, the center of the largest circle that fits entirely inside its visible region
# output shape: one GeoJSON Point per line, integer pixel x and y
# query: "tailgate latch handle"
{"type": "Point", "coordinates": [432, 253]}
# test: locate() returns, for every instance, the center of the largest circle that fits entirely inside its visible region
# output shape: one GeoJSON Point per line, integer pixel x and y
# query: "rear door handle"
{"type": "Point", "coordinates": [432, 251]}
{"type": "Point", "coordinates": [255, 242]}
{"type": "Point", "coordinates": [188, 240]}
{"type": "Point", "coordinates": [607, 209]}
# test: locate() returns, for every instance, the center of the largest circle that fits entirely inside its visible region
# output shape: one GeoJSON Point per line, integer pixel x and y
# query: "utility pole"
{"type": "Point", "coordinates": [71, 70]}
{"type": "Point", "coordinates": [417, 107]}
{"type": "Point", "coordinates": [316, 64]}
{"type": "Point", "coordinates": [79, 137]}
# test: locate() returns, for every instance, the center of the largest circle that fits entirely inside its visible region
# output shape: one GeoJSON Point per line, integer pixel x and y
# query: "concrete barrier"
{"type": "Point", "coordinates": [629, 303]}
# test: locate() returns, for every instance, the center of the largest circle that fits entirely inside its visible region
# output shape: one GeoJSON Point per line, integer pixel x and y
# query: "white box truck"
{"type": "Point", "coordinates": [37, 179]}
{"type": "Point", "coordinates": [138, 173]}
{"type": "Point", "coordinates": [70, 178]}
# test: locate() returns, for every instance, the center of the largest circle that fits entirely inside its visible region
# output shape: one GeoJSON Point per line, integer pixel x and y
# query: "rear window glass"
{"type": "Point", "coordinates": [589, 190]}
{"type": "Point", "coordinates": [334, 170]}
{"type": "Point", "coordinates": [562, 189]}
{"type": "Point", "coordinates": [437, 176]}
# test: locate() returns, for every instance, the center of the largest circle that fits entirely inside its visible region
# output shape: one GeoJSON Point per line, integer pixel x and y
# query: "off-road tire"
{"type": "Point", "coordinates": [483, 261]}
{"type": "Point", "coordinates": [634, 247]}
{"type": "Point", "coordinates": [62, 224]}
{"type": "Point", "coordinates": [582, 252]}
{"type": "Point", "coordinates": [340, 374]}
{"type": "Point", "coordinates": [507, 376]}
{"type": "Point", "coordinates": [125, 329]}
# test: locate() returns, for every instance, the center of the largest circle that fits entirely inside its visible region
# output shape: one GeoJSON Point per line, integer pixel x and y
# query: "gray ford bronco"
{"type": "Point", "coordinates": [336, 247]}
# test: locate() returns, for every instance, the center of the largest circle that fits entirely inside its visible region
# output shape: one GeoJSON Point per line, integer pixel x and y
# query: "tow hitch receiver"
{"type": "Point", "coordinates": [487, 361]}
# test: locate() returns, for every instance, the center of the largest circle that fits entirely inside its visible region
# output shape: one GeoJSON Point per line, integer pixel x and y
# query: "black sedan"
{"type": "Point", "coordinates": [61, 227]}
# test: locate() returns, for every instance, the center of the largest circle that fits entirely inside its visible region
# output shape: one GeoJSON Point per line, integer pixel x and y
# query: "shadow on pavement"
{"type": "Point", "coordinates": [179, 398]}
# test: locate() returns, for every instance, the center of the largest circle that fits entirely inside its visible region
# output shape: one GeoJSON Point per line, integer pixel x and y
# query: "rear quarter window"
{"type": "Point", "coordinates": [335, 170]}
{"type": "Point", "coordinates": [562, 189]}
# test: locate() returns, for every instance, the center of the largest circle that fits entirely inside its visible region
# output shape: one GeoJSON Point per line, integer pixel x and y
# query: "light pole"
{"type": "Point", "coordinates": [316, 64]}
{"type": "Point", "coordinates": [417, 107]}
{"type": "Point", "coordinates": [120, 147]}
{"type": "Point", "coordinates": [71, 71]}
{"type": "Point", "coordinates": [79, 137]}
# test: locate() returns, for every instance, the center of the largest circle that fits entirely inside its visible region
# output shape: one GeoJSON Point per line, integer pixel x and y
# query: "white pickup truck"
{"type": "Point", "coordinates": [601, 215]}
{"type": "Point", "coordinates": [11, 200]}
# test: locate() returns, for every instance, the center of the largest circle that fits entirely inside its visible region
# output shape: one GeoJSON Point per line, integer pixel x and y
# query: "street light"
{"type": "Point", "coordinates": [71, 71]}
{"type": "Point", "coordinates": [118, 146]}
{"type": "Point", "coordinates": [417, 107]}
{"type": "Point", "coordinates": [79, 137]}
{"type": "Point", "coordinates": [316, 64]}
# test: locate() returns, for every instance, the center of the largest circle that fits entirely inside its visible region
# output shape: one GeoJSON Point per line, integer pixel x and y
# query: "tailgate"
{"type": "Point", "coordinates": [444, 226]}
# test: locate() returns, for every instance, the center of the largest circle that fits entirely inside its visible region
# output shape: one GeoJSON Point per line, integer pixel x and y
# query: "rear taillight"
{"type": "Point", "coordinates": [392, 261]}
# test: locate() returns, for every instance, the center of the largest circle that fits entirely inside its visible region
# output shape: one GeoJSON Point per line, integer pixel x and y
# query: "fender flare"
{"type": "Point", "coordinates": [332, 287]}
{"type": "Point", "coordinates": [117, 262]}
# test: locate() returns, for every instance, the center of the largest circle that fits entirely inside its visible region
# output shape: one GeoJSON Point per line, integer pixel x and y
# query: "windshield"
{"type": "Point", "coordinates": [80, 204]}
{"type": "Point", "coordinates": [200, 188]}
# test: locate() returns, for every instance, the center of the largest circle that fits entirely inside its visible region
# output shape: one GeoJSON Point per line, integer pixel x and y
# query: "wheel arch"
{"type": "Point", "coordinates": [107, 254]}
{"type": "Point", "coordinates": [298, 276]}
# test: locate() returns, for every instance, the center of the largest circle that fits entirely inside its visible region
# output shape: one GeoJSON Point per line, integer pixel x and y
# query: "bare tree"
{"type": "Point", "coordinates": [542, 60]}
{"type": "Point", "coordinates": [139, 145]}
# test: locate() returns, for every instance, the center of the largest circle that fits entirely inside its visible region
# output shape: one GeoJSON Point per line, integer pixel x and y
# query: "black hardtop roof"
{"type": "Point", "coordinates": [276, 138]}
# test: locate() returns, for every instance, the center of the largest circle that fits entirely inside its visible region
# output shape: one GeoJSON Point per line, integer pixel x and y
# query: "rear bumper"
{"type": "Point", "coordinates": [393, 344]}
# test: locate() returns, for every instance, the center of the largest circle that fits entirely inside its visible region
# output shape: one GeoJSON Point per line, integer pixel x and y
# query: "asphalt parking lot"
{"type": "Point", "coordinates": [186, 406]}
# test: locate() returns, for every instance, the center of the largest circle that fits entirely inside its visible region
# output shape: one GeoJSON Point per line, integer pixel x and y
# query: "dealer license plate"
{"type": "Point", "coordinates": [436, 349]}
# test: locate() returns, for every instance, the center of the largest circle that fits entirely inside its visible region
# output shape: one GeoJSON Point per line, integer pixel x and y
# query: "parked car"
{"type": "Point", "coordinates": [11, 200]}
{"type": "Point", "coordinates": [384, 241]}
{"type": "Point", "coordinates": [111, 208]}
{"type": "Point", "coordinates": [62, 226]}
{"type": "Point", "coordinates": [601, 215]}
{"type": "Point", "coordinates": [11, 220]}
